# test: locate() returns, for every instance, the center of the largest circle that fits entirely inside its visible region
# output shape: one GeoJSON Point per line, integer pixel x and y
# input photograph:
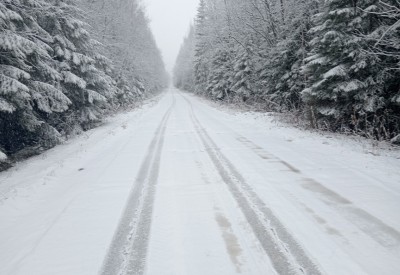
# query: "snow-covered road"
{"type": "Point", "coordinates": [179, 187]}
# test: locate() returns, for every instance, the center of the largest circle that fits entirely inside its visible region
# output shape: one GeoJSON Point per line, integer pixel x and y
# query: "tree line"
{"type": "Point", "coordinates": [335, 63]}
{"type": "Point", "coordinates": [66, 64]}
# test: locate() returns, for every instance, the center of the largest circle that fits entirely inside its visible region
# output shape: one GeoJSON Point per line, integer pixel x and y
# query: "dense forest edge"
{"type": "Point", "coordinates": [65, 65]}
{"type": "Point", "coordinates": [334, 64]}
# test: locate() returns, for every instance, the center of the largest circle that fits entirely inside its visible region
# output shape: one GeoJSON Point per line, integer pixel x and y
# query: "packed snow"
{"type": "Point", "coordinates": [180, 186]}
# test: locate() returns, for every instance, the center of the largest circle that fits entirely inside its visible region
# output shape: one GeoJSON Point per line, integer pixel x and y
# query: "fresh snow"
{"type": "Point", "coordinates": [2, 156]}
{"type": "Point", "coordinates": [214, 192]}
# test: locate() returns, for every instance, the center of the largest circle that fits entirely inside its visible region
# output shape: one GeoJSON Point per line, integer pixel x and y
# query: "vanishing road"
{"type": "Point", "coordinates": [180, 187]}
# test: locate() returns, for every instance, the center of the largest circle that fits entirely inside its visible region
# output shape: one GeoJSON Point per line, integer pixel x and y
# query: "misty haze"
{"type": "Point", "coordinates": [199, 137]}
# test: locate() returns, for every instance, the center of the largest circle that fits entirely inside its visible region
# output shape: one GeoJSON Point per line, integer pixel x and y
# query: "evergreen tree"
{"type": "Point", "coordinates": [200, 65]}
{"type": "Point", "coordinates": [242, 74]}
{"type": "Point", "coordinates": [85, 85]}
{"type": "Point", "coordinates": [53, 78]}
{"type": "Point", "coordinates": [282, 77]}
{"type": "Point", "coordinates": [184, 67]}
{"type": "Point", "coordinates": [28, 80]}
{"type": "Point", "coordinates": [383, 42]}
{"type": "Point", "coordinates": [218, 83]}
{"type": "Point", "coordinates": [345, 90]}
{"type": "Point", "coordinates": [126, 40]}
{"type": "Point", "coordinates": [335, 62]}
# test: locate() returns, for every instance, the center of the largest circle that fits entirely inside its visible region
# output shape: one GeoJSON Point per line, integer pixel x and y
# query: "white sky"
{"type": "Point", "coordinates": [170, 21]}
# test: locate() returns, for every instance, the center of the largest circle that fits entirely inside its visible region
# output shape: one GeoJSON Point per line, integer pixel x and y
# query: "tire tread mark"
{"type": "Point", "coordinates": [273, 236]}
{"type": "Point", "coordinates": [116, 258]}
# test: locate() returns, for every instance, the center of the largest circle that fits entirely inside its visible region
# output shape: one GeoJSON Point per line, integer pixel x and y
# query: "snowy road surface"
{"type": "Point", "coordinates": [179, 187]}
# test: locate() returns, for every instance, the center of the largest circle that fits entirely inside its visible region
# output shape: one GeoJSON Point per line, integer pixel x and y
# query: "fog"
{"type": "Point", "coordinates": [170, 22]}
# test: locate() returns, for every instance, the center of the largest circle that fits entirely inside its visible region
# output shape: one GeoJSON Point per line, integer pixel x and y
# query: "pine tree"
{"type": "Point", "coordinates": [200, 66]}
{"type": "Point", "coordinates": [85, 85]}
{"type": "Point", "coordinates": [282, 77]}
{"type": "Point", "coordinates": [343, 86]}
{"type": "Point", "coordinates": [184, 67]}
{"type": "Point", "coordinates": [122, 29]}
{"type": "Point", "coordinates": [27, 77]}
{"type": "Point", "coordinates": [383, 42]}
{"type": "Point", "coordinates": [336, 62]}
{"type": "Point", "coordinates": [218, 83]}
{"type": "Point", "coordinates": [53, 79]}
{"type": "Point", "coordinates": [242, 74]}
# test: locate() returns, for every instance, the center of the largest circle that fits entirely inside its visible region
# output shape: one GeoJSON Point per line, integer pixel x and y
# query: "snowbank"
{"type": "Point", "coordinates": [3, 156]}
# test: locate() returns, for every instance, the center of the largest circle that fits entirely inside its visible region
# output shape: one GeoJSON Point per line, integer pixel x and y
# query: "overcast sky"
{"type": "Point", "coordinates": [170, 20]}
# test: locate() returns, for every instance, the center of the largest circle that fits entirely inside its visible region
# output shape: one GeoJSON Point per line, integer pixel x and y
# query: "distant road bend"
{"type": "Point", "coordinates": [184, 188]}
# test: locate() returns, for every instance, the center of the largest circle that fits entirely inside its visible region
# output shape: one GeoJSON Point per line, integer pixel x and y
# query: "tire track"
{"type": "Point", "coordinates": [128, 249]}
{"type": "Point", "coordinates": [286, 255]}
{"type": "Point", "coordinates": [384, 234]}
{"type": "Point", "coordinates": [378, 230]}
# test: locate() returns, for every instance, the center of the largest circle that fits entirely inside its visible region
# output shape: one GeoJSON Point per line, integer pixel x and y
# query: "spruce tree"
{"type": "Point", "coordinates": [383, 42]}
{"type": "Point", "coordinates": [218, 83]}
{"type": "Point", "coordinates": [282, 77]}
{"type": "Point", "coordinates": [85, 85]}
{"type": "Point", "coordinates": [241, 76]}
{"type": "Point", "coordinates": [28, 87]}
{"type": "Point", "coordinates": [184, 67]}
{"type": "Point", "coordinates": [201, 62]}
{"type": "Point", "coordinates": [336, 62]}
{"type": "Point", "coordinates": [343, 88]}
{"type": "Point", "coordinates": [122, 28]}
{"type": "Point", "coordinates": [53, 79]}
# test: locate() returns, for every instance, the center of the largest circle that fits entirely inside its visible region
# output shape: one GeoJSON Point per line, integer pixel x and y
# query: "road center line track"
{"type": "Point", "coordinates": [128, 249]}
{"type": "Point", "coordinates": [286, 255]}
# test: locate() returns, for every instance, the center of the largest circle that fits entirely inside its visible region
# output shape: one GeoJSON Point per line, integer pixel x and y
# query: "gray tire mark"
{"type": "Point", "coordinates": [382, 233]}
{"type": "Point", "coordinates": [286, 255]}
{"type": "Point", "coordinates": [372, 226]}
{"type": "Point", "coordinates": [121, 255]}
{"type": "Point", "coordinates": [137, 258]}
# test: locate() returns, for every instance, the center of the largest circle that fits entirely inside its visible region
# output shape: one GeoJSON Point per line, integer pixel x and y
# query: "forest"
{"type": "Point", "coordinates": [199, 137]}
{"type": "Point", "coordinates": [334, 64]}
{"type": "Point", "coordinates": [66, 64]}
